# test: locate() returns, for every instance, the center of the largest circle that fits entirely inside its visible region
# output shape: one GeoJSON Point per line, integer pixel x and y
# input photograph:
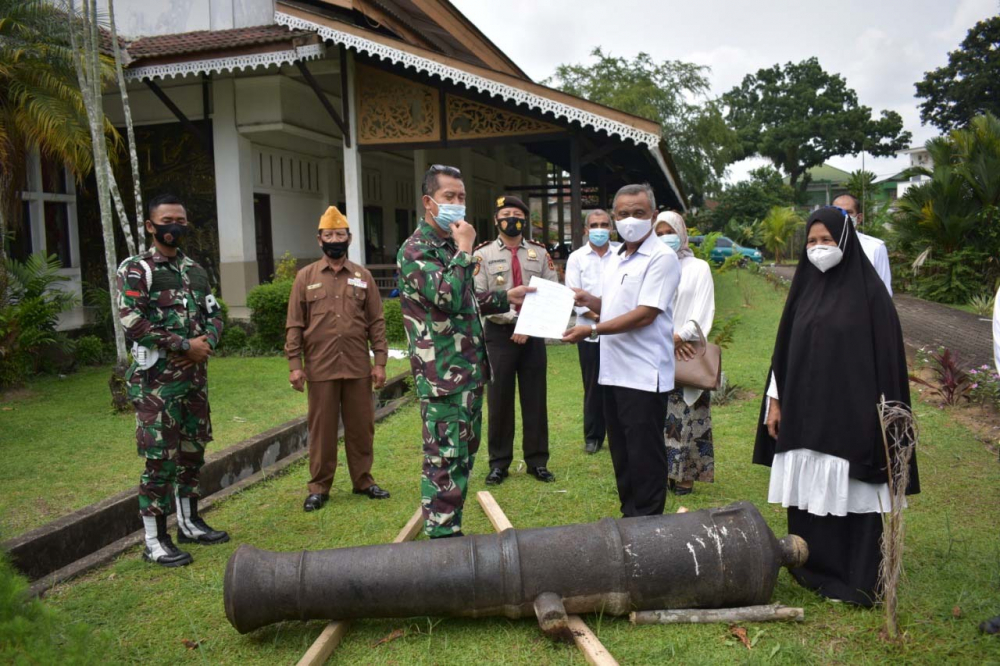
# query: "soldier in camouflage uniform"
{"type": "Point", "coordinates": [441, 313]}
{"type": "Point", "coordinates": [173, 322]}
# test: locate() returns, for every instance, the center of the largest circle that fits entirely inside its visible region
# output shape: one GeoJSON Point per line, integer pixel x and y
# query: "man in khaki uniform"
{"type": "Point", "coordinates": [507, 262]}
{"type": "Point", "coordinates": [334, 314]}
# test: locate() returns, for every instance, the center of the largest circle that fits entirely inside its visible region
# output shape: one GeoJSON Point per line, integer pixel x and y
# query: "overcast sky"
{"type": "Point", "coordinates": [882, 47]}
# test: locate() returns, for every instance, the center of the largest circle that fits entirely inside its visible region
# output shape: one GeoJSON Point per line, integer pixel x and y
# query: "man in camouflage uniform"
{"type": "Point", "coordinates": [507, 262]}
{"type": "Point", "coordinates": [173, 322]}
{"type": "Point", "coordinates": [441, 313]}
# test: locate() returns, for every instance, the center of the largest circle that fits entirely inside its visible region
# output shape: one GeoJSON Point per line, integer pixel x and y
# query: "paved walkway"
{"type": "Point", "coordinates": [933, 325]}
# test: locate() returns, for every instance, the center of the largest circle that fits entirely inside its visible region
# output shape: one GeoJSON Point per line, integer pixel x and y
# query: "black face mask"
{"type": "Point", "coordinates": [335, 249]}
{"type": "Point", "coordinates": [511, 226]}
{"type": "Point", "coordinates": [169, 234]}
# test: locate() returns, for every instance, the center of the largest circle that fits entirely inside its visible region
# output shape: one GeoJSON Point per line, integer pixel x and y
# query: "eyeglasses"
{"type": "Point", "coordinates": [446, 170]}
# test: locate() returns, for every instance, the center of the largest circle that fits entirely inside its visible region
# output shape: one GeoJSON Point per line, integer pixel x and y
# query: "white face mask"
{"type": "Point", "coordinates": [632, 230]}
{"type": "Point", "coordinates": [825, 257]}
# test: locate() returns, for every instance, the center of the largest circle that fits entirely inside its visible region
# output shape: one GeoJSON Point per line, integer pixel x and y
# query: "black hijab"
{"type": "Point", "coordinates": [839, 349]}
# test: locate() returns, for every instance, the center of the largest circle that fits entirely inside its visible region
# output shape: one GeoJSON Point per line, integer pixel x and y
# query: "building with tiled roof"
{"type": "Point", "coordinates": [261, 113]}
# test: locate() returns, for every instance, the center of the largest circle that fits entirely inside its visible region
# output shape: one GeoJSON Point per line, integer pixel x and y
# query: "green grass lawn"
{"type": "Point", "coordinates": [953, 554]}
{"type": "Point", "coordinates": [62, 447]}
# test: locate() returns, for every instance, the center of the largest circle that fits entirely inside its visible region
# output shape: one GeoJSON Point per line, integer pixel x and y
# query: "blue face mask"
{"type": "Point", "coordinates": [599, 237]}
{"type": "Point", "coordinates": [448, 214]}
{"type": "Point", "coordinates": [673, 241]}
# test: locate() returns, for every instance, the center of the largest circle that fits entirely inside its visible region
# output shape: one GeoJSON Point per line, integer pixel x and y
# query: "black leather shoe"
{"type": "Point", "coordinates": [496, 476]}
{"type": "Point", "coordinates": [373, 492]}
{"type": "Point", "coordinates": [990, 626]}
{"type": "Point", "coordinates": [160, 549]}
{"type": "Point", "coordinates": [592, 446]}
{"type": "Point", "coordinates": [542, 474]}
{"type": "Point", "coordinates": [315, 501]}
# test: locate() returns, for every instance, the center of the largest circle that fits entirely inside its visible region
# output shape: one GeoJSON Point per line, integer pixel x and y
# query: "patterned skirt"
{"type": "Point", "coordinates": [687, 434]}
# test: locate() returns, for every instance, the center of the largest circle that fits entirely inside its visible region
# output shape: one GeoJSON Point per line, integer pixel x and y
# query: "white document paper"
{"type": "Point", "coordinates": [546, 312]}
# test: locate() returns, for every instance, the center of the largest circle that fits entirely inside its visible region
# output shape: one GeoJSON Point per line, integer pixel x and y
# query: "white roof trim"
{"type": "Point", "coordinates": [232, 63]}
{"type": "Point", "coordinates": [658, 156]}
{"type": "Point", "coordinates": [473, 81]}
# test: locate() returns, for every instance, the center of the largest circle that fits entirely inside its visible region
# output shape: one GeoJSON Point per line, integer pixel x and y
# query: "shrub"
{"type": "Point", "coordinates": [234, 339]}
{"type": "Point", "coordinates": [90, 350]}
{"type": "Point", "coordinates": [268, 305]}
{"type": "Point", "coordinates": [30, 303]}
{"type": "Point", "coordinates": [953, 278]}
{"type": "Point", "coordinates": [32, 632]}
{"type": "Point", "coordinates": [287, 267]}
{"type": "Point", "coordinates": [949, 381]}
{"type": "Point", "coordinates": [982, 304]}
{"type": "Point", "coordinates": [985, 388]}
{"type": "Point", "coordinates": [395, 333]}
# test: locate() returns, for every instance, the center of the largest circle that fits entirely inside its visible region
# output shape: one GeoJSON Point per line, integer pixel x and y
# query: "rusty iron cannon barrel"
{"type": "Point", "coordinates": [713, 558]}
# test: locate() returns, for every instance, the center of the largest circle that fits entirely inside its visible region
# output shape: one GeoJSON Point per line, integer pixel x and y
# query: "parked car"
{"type": "Point", "coordinates": [725, 247]}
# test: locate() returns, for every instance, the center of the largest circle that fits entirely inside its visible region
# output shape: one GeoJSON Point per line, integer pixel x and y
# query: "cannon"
{"type": "Point", "coordinates": [713, 558]}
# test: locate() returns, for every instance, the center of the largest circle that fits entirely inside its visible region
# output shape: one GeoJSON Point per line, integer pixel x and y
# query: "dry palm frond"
{"type": "Point", "coordinates": [899, 436]}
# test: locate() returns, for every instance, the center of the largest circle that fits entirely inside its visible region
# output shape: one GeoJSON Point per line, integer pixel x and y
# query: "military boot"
{"type": "Point", "coordinates": [191, 528]}
{"type": "Point", "coordinates": [159, 547]}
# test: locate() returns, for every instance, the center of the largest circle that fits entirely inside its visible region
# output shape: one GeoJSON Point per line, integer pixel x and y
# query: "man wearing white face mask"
{"type": "Point", "coordinates": [637, 350]}
{"type": "Point", "coordinates": [585, 270]}
{"type": "Point", "coordinates": [874, 248]}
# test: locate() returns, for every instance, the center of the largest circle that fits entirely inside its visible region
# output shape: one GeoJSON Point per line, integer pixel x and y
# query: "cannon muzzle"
{"type": "Point", "coordinates": [713, 558]}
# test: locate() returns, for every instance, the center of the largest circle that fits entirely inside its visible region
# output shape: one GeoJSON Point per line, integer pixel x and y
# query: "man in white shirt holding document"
{"type": "Point", "coordinates": [637, 351]}
{"type": "Point", "coordinates": [585, 270]}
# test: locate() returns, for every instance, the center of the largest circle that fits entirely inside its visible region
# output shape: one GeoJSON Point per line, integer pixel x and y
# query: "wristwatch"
{"type": "Point", "coordinates": [593, 331]}
{"type": "Point", "coordinates": [185, 345]}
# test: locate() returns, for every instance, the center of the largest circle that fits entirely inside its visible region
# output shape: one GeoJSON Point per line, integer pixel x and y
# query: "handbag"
{"type": "Point", "coordinates": [704, 371]}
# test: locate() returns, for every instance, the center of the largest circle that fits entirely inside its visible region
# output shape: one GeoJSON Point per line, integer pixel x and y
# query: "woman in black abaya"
{"type": "Point", "coordinates": [838, 351]}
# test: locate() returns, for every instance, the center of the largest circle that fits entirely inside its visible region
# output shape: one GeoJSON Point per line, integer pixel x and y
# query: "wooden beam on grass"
{"type": "Point", "coordinates": [586, 641]}
{"type": "Point", "coordinates": [770, 613]}
{"type": "Point", "coordinates": [321, 649]}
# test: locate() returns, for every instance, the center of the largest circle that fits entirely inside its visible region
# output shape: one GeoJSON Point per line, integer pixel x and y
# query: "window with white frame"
{"type": "Point", "coordinates": [48, 222]}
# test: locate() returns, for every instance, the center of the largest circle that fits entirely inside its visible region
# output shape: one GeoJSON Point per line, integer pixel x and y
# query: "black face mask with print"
{"type": "Point", "coordinates": [511, 226]}
{"type": "Point", "coordinates": [169, 234]}
{"type": "Point", "coordinates": [335, 249]}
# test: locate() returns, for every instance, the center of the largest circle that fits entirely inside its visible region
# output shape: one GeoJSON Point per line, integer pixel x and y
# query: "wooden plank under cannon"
{"type": "Point", "coordinates": [333, 633]}
{"type": "Point", "coordinates": [586, 641]}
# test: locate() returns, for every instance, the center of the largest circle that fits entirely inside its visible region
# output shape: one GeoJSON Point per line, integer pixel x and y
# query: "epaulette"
{"type": "Point", "coordinates": [146, 254]}
{"type": "Point", "coordinates": [534, 242]}
{"type": "Point", "coordinates": [481, 245]}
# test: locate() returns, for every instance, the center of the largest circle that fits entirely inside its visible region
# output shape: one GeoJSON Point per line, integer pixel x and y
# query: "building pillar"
{"type": "Point", "coordinates": [419, 169]}
{"type": "Point", "coordinates": [233, 197]}
{"type": "Point", "coordinates": [353, 193]}
{"type": "Point", "coordinates": [576, 194]}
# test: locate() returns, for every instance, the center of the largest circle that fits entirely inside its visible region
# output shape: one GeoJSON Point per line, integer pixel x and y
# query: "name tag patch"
{"type": "Point", "coordinates": [315, 286]}
{"type": "Point", "coordinates": [357, 282]}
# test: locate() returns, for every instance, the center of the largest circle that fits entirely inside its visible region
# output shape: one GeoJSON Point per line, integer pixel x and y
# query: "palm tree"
{"type": "Point", "coordinates": [40, 101]}
{"type": "Point", "coordinates": [777, 229]}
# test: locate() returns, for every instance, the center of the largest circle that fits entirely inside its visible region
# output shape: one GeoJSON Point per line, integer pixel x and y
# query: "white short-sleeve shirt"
{"type": "Point", "coordinates": [643, 358]}
{"type": "Point", "coordinates": [875, 250]}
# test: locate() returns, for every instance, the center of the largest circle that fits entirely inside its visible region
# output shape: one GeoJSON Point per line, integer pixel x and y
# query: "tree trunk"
{"type": "Point", "coordinates": [133, 155]}
{"type": "Point", "coordinates": [88, 74]}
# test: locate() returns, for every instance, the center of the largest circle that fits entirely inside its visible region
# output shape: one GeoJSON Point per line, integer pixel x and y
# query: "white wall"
{"type": "Point", "coordinates": [137, 18]}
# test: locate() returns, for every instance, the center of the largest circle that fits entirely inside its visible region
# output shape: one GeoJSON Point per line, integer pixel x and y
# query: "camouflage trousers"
{"type": "Point", "coordinates": [173, 425]}
{"type": "Point", "coordinates": [453, 425]}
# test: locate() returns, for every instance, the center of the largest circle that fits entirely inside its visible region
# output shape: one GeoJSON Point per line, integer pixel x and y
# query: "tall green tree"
{"type": "Point", "coordinates": [672, 93]}
{"type": "Point", "coordinates": [798, 116]}
{"type": "Point", "coordinates": [967, 85]}
{"type": "Point", "coordinates": [40, 101]}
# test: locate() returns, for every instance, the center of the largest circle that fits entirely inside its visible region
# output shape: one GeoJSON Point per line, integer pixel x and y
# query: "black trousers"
{"type": "Point", "coordinates": [524, 365]}
{"type": "Point", "coordinates": [593, 393]}
{"type": "Point", "coordinates": [635, 438]}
